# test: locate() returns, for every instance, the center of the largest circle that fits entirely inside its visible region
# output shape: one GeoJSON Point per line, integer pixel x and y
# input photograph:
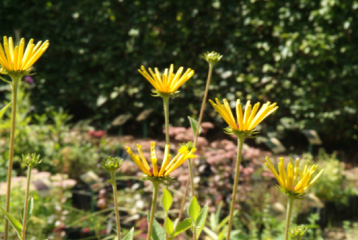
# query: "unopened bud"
{"type": "Point", "coordinates": [31, 159]}
{"type": "Point", "coordinates": [297, 232]}
{"type": "Point", "coordinates": [112, 164]}
{"type": "Point", "coordinates": [212, 57]}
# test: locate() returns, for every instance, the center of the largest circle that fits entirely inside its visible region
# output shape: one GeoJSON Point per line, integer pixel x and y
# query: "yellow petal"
{"type": "Point", "coordinates": [246, 115]}
{"type": "Point", "coordinates": [154, 159]}
{"type": "Point", "coordinates": [240, 120]}
{"type": "Point", "coordinates": [142, 157]}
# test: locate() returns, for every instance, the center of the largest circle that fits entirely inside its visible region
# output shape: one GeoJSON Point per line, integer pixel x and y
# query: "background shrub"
{"type": "Point", "coordinates": [301, 54]}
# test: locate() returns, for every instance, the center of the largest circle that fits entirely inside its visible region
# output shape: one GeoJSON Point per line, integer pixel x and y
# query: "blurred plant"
{"type": "Point", "coordinates": [351, 229]}
{"type": "Point", "coordinates": [216, 228]}
{"type": "Point", "coordinates": [313, 229]}
{"type": "Point", "coordinates": [243, 127]}
{"type": "Point", "coordinates": [331, 185]}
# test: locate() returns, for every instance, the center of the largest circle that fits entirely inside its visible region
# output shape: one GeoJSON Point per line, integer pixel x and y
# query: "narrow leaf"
{"type": "Point", "coordinates": [194, 125]}
{"type": "Point", "coordinates": [169, 227]}
{"type": "Point", "coordinates": [129, 235]}
{"type": "Point", "coordinates": [167, 200]}
{"type": "Point", "coordinates": [200, 222]}
{"type": "Point", "coordinates": [3, 110]}
{"type": "Point", "coordinates": [14, 223]}
{"type": "Point", "coordinates": [158, 232]}
{"type": "Point", "coordinates": [194, 209]}
{"type": "Point", "coordinates": [182, 226]}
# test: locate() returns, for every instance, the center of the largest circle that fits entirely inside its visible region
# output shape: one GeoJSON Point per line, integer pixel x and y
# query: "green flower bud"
{"type": "Point", "coordinates": [297, 232]}
{"type": "Point", "coordinates": [112, 164]}
{"type": "Point", "coordinates": [31, 159]}
{"type": "Point", "coordinates": [212, 57]}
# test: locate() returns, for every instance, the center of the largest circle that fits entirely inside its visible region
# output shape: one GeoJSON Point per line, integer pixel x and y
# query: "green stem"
{"type": "Point", "coordinates": [15, 80]}
{"type": "Point", "coordinates": [195, 142]}
{"type": "Point", "coordinates": [152, 211]}
{"type": "Point", "coordinates": [288, 216]}
{"type": "Point", "coordinates": [166, 116]}
{"type": "Point", "coordinates": [203, 103]}
{"type": "Point", "coordinates": [114, 185]}
{"type": "Point", "coordinates": [240, 143]}
{"type": "Point", "coordinates": [23, 235]}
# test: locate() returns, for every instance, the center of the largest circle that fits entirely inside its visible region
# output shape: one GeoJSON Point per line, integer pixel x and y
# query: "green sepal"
{"type": "Point", "coordinates": [160, 180]}
{"type": "Point", "coordinates": [290, 194]}
{"type": "Point", "coordinates": [241, 134]}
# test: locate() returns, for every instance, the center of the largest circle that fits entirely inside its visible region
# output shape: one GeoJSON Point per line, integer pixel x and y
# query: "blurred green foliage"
{"type": "Point", "coordinates": [301, 54]}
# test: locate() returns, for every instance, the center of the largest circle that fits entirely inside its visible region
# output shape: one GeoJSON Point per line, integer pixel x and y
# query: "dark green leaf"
{"type": "Point", "coordinates": [200, 222]}
{"type": "Point", "coordinates": [158, 232]}
{"type": "Point", "coordinates": [194, 125]}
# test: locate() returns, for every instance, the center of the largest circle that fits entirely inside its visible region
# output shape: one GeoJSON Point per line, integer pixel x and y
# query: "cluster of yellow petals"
{"type": "Point", "coordinates": [294, 180]}
{"type": "Point", "coordinates": [14, 59]}
{"type": "Point", "coordinates": [168, 82]}
{"type": "Point", "coordinates": [168, 164]}
{"type": "Point", "coordinates": [246, 121]}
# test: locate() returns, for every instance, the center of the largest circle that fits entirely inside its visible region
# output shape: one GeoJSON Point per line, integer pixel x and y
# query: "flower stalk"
{"type": "Point", "coordinates": [240, 143]}
{"type": "Point", "coordinates": [288, 216]}
{"type": "Point", "coordinates": [152, 211]}
{"type": "Point", "coordinates": [166, 117]}
{"type": "Point", "coordinates": [211, 58]}
{"type": "Point", "coordinates": [115, 200]}
{"type": "Point", "coordinates": [14, 86]}
{"type": "Point", "coordinates": [24, 223]}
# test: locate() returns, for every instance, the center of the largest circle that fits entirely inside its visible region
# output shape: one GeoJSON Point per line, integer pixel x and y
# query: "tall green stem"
{"type": "Point", "coordinates": [14, 85]}
{"type": "Point", "coordinates": [23, 235]}
{"type": "Point", "coordinates": [288, 216]}
{"type": "Point", "coordinates": [240, 143]}
{"type": "Point", "coordinates": [114, 185]}
{"type": "Point", "coordinates": [152, 211]}
{"type": "Point", "coordinates": [191, 174]}
{"type": "Point", "coordinates": [203, 103]}
{"type": "Point", "coordinates": [166, 116]}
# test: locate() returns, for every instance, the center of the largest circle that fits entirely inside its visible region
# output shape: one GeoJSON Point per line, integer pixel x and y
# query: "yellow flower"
{"type": "Point", "coordinates": [168, 164]}
{"type": "Point", "coordinates": [168, 82]}
{"type": "Point", "coordinates": [245, 122]}
{"type": "Point", "coordinates": [294, 180]}
{"type": "Point", "coordinates": [14, 59]}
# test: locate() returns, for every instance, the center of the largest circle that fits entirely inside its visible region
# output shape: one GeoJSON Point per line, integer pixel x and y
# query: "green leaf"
{"type": "Point", "coordinates": [14, 223]}
{"type": "Point", "coordinates": [167, 200]}
{"type": "Point", "coordinates": [194, 125]}
{"type": "Point", "coordinates": [30, 208]}
{"type": "Point", "coordinates": [182, 226]}
{"type": "Point", "coordinates": [3, 110]}
{"type": "Point", "coordinates": [200, 222]}
{"type": "Point", "coordinates": [158, 232]}
{"type": "Point", "coordinates": [169, 227]}
{"type": "Point", "coordinates": [194, 209]}
{"type": "Point", "coordinates": [129, 235]}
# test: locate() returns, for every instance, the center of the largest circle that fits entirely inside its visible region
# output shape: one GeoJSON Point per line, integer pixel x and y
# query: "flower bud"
{"type": "Point", "coordinates": [297, 232]}
{"type": "Point", "coordinates": [112, 164]}
{"type": "Point", "coordinates": [212, 57]}
{"type": "Point", "coordinates": [31, 159]}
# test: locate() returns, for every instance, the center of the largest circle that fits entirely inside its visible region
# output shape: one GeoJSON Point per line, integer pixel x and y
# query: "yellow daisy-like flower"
{"type": "Point", "coordinates": [168, 82]}
{"type": "Point", "coordinates": [246, 121]}
{"type": "Point", "coordinates": [14, 59]}
{"type": "Point", "coordinates": [294, 180]}
{"type": "Point", "coordinates": [168, 164]}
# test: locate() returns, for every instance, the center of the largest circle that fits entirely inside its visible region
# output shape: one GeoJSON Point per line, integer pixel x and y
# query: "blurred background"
{"type": "Point", "coordinates": [301, 54]}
